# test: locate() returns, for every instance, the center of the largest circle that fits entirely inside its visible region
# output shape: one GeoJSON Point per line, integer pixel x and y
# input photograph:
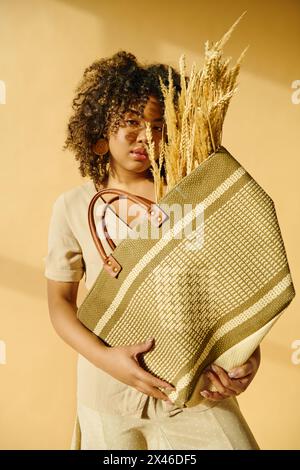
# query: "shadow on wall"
{"type": "Point", "coordinates": [14, 272]}
{"type": "Point", "coordinates": [267, 27]}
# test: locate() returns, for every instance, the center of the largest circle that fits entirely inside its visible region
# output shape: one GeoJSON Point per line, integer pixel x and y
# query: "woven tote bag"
{"type": "Point", "coordinates": [208, 286]}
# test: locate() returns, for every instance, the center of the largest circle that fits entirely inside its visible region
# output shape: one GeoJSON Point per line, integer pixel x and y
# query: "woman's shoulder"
{"type": "Point", "coordinates": [75, 198]}
{"type": "Point", "coordinates": [80, 192]}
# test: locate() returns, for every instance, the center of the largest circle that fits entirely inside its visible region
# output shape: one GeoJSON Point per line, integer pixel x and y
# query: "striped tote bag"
{"type": "Point", "coordinates": [206, 274]}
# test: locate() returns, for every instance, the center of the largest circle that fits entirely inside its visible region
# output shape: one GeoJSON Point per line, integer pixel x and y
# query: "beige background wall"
{"type": "Point", "coordinates": [44, 47]}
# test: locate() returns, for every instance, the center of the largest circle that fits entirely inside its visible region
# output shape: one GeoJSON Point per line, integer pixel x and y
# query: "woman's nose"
{"type": "Point", "coordinates": [141, 137]}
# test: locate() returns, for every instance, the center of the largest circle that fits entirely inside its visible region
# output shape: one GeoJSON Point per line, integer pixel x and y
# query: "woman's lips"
{"type": "Point", "coordinates": [139, 156]}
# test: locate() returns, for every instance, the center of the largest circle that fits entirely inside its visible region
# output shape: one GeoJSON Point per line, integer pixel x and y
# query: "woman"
{"type": "Point", "coordinates": [119, 404]}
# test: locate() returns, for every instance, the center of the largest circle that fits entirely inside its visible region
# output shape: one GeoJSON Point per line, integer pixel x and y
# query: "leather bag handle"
{"type": "Point", "coordinates": [155, 214]}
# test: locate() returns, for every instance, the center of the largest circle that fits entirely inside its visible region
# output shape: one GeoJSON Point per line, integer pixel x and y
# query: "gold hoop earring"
{"type": "Point", "coordinates": [100, 147]}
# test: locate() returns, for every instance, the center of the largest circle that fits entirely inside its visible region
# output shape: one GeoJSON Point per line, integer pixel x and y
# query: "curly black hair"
{"type": "Point", "coordinates": [107, 89]}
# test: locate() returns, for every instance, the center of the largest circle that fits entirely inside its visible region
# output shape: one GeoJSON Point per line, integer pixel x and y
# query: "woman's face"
{"type": "Point", "coordinates": [127, 146]}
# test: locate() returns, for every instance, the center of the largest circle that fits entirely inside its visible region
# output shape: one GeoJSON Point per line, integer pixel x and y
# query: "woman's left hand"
{"type": "Point", "coordinates": [235, 381]}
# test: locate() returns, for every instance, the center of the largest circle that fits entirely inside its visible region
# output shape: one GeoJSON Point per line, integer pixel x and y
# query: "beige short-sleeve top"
{"type": "Point", "coordinates": [72, 255]}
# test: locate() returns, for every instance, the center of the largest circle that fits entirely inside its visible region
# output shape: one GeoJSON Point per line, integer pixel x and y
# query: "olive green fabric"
{"type": "Point", "coordinates": [210, 278]}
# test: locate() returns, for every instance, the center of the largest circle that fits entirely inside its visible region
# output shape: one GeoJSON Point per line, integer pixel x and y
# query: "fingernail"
{"type": "Point", "coordinates": [149, 340]}
{"type": "Point", "coordinates": [170, 387]}
{"type": "Point", "coordinates": [204, 393]}
{"type": "Point", "coordinates": [233, 374]}
{"type": "Point", "coordinates": [215, 368]}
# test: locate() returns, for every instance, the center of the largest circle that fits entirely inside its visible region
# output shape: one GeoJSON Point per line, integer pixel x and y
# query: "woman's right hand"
{"type": "Point", "coordinates": [122, 363]}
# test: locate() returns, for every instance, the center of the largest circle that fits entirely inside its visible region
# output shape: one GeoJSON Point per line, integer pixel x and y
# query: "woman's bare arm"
{"type": "Point", "coordinates": [120, 362]}
{"type": "Point", "coordinates": [62, 304]}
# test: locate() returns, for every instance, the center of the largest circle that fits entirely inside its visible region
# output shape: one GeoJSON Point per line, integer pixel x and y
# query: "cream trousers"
{"type": "Point", "coordinates": [112, 415]}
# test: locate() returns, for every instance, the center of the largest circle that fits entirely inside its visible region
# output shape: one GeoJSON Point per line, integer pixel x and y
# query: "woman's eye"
{"type": "Point", "coordinates": [131, 122]}
{"type": "Point", "coordinates": [135, 123]}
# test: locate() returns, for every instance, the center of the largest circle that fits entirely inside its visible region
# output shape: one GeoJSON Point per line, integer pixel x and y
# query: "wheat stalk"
{"type": "Point", "coordinates": [155, 168]}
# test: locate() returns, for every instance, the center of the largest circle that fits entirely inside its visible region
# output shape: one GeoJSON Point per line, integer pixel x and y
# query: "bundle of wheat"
{"type": "Point", "coordinates": [194, 126]}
